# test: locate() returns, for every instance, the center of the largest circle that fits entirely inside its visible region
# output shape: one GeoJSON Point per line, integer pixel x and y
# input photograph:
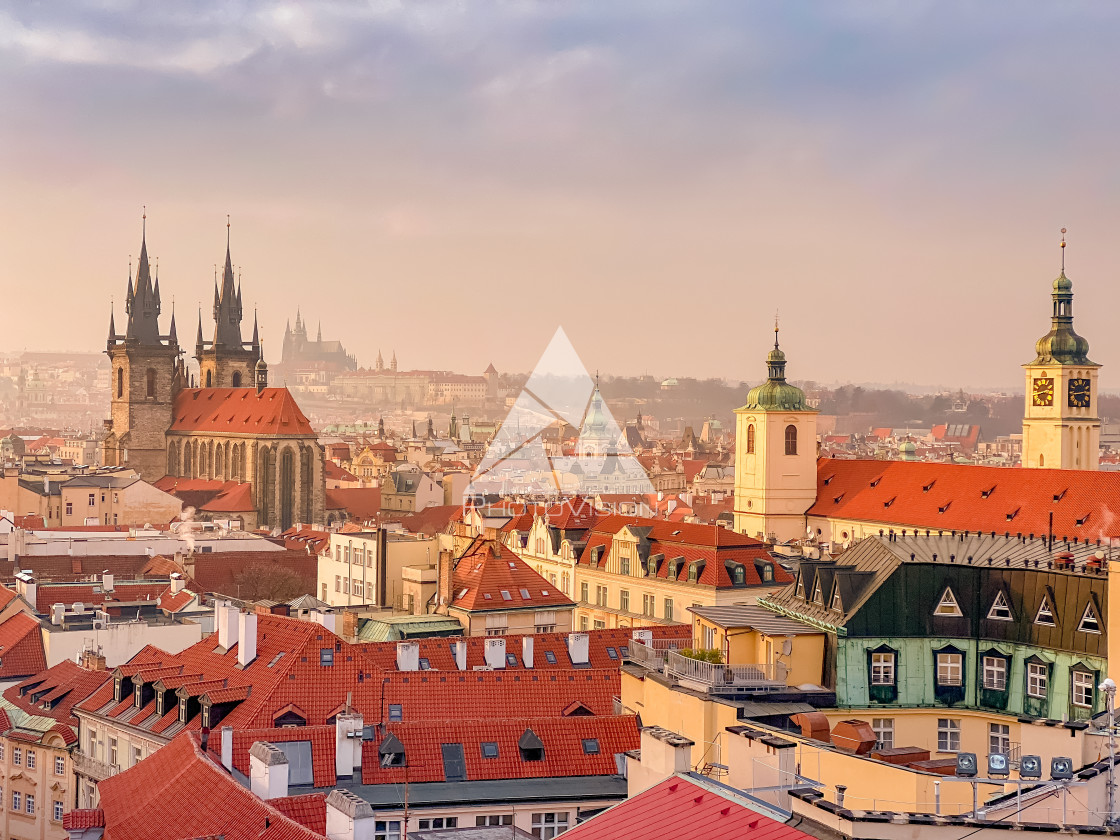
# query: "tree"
{"type": "Point", "coordinates": [268, 581]}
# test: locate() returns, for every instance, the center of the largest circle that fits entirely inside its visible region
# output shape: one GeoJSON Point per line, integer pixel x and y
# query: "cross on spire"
{"type": "Point", "coordinates": [1063, 246]}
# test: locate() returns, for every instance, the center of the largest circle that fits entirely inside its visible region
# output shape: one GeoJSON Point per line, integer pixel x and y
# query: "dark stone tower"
{"type": "Point", "coordinates": [227, 361]}
{"type": "Point", "coordinates": [147, 373]}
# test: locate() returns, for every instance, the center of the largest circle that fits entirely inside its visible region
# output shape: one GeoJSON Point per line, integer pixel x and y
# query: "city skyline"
{"type": "Point", "coordinates": [830, 164]}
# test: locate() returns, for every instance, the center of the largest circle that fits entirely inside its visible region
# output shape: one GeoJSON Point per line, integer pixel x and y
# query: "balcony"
{"type": "Point", "coordinates": [92, 768]}
{"type": "Point", "coordinates": [654, 654]}
{"type": "Point", "coordinates": [712, 678]}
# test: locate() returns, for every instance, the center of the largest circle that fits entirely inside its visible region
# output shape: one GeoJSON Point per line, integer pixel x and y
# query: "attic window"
{"type": "Point", "coordinates": [739, 575]}
{"type": "Point", "coordinates": [1059, 496]}
{"type": "Point", "coordinates": [836, 499]}
{"type": "Point", "coordinates": [1001, 610]}
{"type": "Point", "coordinates": [544, 592]}
{"type": "Point", "coordinates": [550, 657]}
{"type": "Point", "coordinates": [486, 595]}
{"type": "Point", "coordinates": [530, 746]}
{"type": "Point", "coordinates": [889, 501]}
{"type": "Point", "coordinates": [944, 507]}
{"type": "Point", "coordinates": [512, 566]}
{"type": "Point", "coordinates": [525, 594]}
{"type": "Point", "coordinates": [675, 534]}
{"type": "Point", "coordinates": [948, 605]}
{"type": "Point", "coordinates": [799, 590]}
{"type": "Point", "coordinates": [927, 487]}
{"type": "Point", "coordinates": [489, 749]}
{"type": "Point", "coordinates": [875, 481]}
{"type": "Point", "coordinates": [511, 660]}
{"type": "Point", "coordinates": [1013, 514]}
{"type": "Point", "coordinates": [425, 664]}
{"type": "Point", "coordinates": [818, 596]}
{"type": "Point", "coordinates": [506, 596]}
{"type": "Point", "coordinates": [1089, 621]}
{"type": "Point", "coordinates": [828, 480]}
{"type": "Point", "coordinates": [986, 493]}
{"type": "Point", "coordinates": [612, 653]}
{"type": "Point", "coordinates": [1082, 520]}
{"type": "Point", "coordinates": [1045, 614]}
{"type": "Point", "coordinates": [462, 594]}
{"type": "Point", "coordinates": [396, 713]}
{"type": "Point", "coordinates": [590, 746]}
{"type": "Point", "coordinates": [836, 604]}
{"type": "Point", "coordinates": [392, 752]}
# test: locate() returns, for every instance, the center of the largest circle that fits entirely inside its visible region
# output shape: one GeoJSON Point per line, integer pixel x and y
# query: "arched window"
{"type": "Point", "coordinates": [209, 379]}
{"type": "Point", "coordinates": [120, 382]}
{"type": "Point", "coordinates": [151, 382]}
{"type": "Point", "coordinates": [791, 439]}
{"type": "Point", "coordinates": [750, 439]}
{"type": "Point", "coordinates": [188, 461]}
{"type": "Point", "coordinates": [1042, 460]}
{"type": "Point", "coordinates": [237, 379]}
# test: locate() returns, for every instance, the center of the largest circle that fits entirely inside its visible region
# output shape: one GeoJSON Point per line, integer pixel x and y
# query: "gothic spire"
{"type": "Point", "coordinates": [319, 334]}
{"type": "Point", "coordinates": [173, 335]}
{"type": "Point", "coordinates": [256, 334]}
{"type": "Point", "coordinates": [112, 326]}
{"type": "Point", "coordinates": [142, 301]}
{"type": "Point", "coordinates": [227, 305]}
{"type": "Point", "coordinates": [198, 339]}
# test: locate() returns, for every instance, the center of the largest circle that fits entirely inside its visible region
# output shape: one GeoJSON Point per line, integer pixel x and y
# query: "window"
{"type": "Point", "coordinates": [69, 508]}
{"type": "Point", "coordinates": [387, 830]}
{"type": "Point", "coordinates": [549, 824]}
{"type": "Point", "coordinates": [583, 589]}
{"type": "Point", "coordinates": [326, 657]}
{"type": "Point", "coordinates": [624, 565]}
{"type": "Point", "coordinates": [598, 624]}
{"type": "Point", "coordinates": [440, 822]}
{"type": "Point", "coordinates": [583, 623]}
{"type": "Point", "coordinates": [494, 819]}
{"type": "Point", "coordinates": [995, 673]}
{"type": "Point", "coordinates": [950, 668]}
{"type": "Point", "coordinates": [999, 738]}
{"type": "Point", "coordinates": [550, 657]}
{"type": "Point", "coordinates": [767, 574]}
{"type": "Point", "coordinates": [601, 596]}
{"type": "Point", "coordinates": [884, 733]}
{"type": "Point", "coordinates": [948, 735]}
{"type": "Point", "coordinates": [59, 765]}
{"type": "Point", "coordinates": [1038, 677]}
{"type": "Point", "coordinates": [92, 499]}
{"type": "Point", "coordinates": [1089, 621]}
{"type": "Point", "coordinates": [612, 653]}
{"type": "Point", "coordinates": [396, 713]}
{"type": "Point", "coordinates": [1000, 610]}
{"type": "Point", "coordinates": [791, 439]}
{"type": "Point", "coordinates": [590, 746]}
{"type": "Point", "coordinates": [31, 759]}
{"type": "Point", "coordinates": [17, 801]}
{"type": "Point", "coordinates": [882, 669]}
{"type": "Point", "coordinates": [668, 609]}
{"type": "Point", "coordinates": [624, 600]}
{"type": "Point", "coordinates": [649, 604]}
{"type": "Point", "coordinates": [750, 439]}
{"type": "Point", "coordinates": [17, 756]}
{"type": "Point", "coordinates": [1045, 614]}
{"type": "Point", "coordinates": [489, 749]}
{"type": "Point", "coordinates": [948, 605]}
{"type": "Point", "coordinates": [30, 801]}
{"type": "Point", "coordinates": [818, 596]}
{"type": "Point", "coordinates": [150, 388]}
{"type": "Point", "coordinates": [425, 664]}
{"type": "Point", "coordinates": [58, 811]}
{"type": "Point", "coordinates": [1083, 689]}
{"type": "Point", "coordinates": [120, 382]}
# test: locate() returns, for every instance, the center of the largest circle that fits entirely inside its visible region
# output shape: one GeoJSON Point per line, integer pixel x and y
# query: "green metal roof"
{"type": "Point", "coordinates": [396, 628]}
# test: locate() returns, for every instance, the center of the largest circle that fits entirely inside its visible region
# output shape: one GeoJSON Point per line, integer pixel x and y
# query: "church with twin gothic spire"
{"type": "Point", "coordinates": [243, 449]}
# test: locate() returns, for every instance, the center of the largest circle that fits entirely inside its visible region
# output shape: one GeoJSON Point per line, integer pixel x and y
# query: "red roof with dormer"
{"type": "Point", "coordinates": [243, 411]}
{"type": "Point", "coordinates": [489, 576]}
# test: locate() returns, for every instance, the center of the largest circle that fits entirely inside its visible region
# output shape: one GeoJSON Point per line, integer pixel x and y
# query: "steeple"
{"type": "Point", "coordinates": [142, 301]}
{"type": "Point", "coordinates": [112, 327]}
{"type": "Point", "coordinates": [173, 335]}
{"type": "Point", "coordinates": [227, 305]}
{"type": "Point", "coordinates": [256, 333]}
{"type": "Point", "coordinates": [319, 333]}
{"type": "Point", "coordinates": [775, 393]}
{"type": "Point", "coordinates": [198, 342]}
{"type": "Point", "coordinates": [1062, 345]}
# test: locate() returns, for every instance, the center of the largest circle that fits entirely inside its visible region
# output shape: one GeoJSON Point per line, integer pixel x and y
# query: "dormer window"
{"type": "Point", "coordinates": [530, 746]}
{"type": "Point", "coordinates": [159, 703]}
{"type": "Point", "coordinates": [1001, 610]}
{"type": "Point", "coordinates": [182, 710]}
{"type": "Point", "coordinates": [391, 752]}
{"type": "Point", "coordinates": [1090, 621]}
{"type": "Point", "coordinates": [948, 606]}
{"type": "Point", "coordinates": [767, 573]}
{"type": "Point", "coordinates": [818, 596]}
{"type": "Point", "coordinates": [138, 696]}
{"type": "Point", "coordinates": [117, 689]}
{"type": "Point", "coordinates": [1045, 614]}
{"type": "Point", "coordinates": [739, 575]}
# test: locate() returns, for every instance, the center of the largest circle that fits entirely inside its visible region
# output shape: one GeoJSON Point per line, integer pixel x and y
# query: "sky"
{"type": "Point", "coordinates": [452, 181]}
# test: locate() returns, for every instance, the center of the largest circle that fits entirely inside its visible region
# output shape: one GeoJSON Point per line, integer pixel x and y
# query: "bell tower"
{"type": "Point", "coordinates": [227, 361]}
{"type": "Point", "coordinates": [775, 456]}
{"type": "Point", "coordinates": [1061, 427]}
{"type": "Point", "coordinates": [147, 373]}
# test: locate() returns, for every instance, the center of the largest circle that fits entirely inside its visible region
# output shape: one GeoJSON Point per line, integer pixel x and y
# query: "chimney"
{"type": "Point", "coordinates": [227, 747]}
{"type": "Point", "coordinates": [348, 743]}
{"type": "Point", "coordinates": [268, 771]}
{"type": "Point", "coordinates": [106, 581]}
{"type": "Point", "coordinates": [92, 660]}
{"type": "Point", "coordinates": [579, 648]}
{"type": "Point", "coordinates": [349, 817]}
{"type": "Point", "coordinates": [665, 753]}
{"type": "Point", "coordinates": [226, 618]}
{"type": "Point", "coordinates": [177, 583]}
{"type": "Point", "coordinates": [26, 586]}
{"type": "Point", "coordinates": [496, 653]}
{"type": "Point", "coordinates": [408, 656]}
{"type": "Point", "coordinates": [460, 651]}
{"type": "Point", "coordinates": [645, 636]}
{"type": "Point", "coordinates": [445, 586]}
{"type": "Point", "coordinates": [328, 620]}
{"type": "Point", "coordinates": [58, 612]}
{"type": "Point", "coordinates": [247, 638]}
{"type": "Point", "coordinates": [527, 651]}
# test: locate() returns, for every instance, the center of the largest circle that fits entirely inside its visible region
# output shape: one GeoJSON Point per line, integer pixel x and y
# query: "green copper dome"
{"type": "Point", "coordinates": [1062, 346]}
{"type": "Point", "coordinates": [775, 394]}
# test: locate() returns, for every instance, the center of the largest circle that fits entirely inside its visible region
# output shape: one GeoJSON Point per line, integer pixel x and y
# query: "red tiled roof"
{"type": "Point", "coordinates": [63, 685]}
{"type": "Point", "coordinates": [48, 594]}
{"type": "Point", "coordinates": [359, 502]}
{"type": "Point", "coordinates": [174, 603]}
{"type": "Point", "coordinates": [6, 596]}
{"type": "Point", "coordinates": [217, 571]}
{"type": "Point", "coordinates": [489, 576]}
{"type": "Point", "coordinates": [321, 738]}
{"type": "Point", "coordinates": [179, 786]}
{"type": "Point", "coordinates": [21, 647]}
{"type": "Point", "coordinates": [272, 411]}
{"type": "Point", "coordinates": [82, 819]}
{"type": "Point", "coordinates": [308, 810]}
{"type": "Point", "coordinates": [431, 520]}
{"type": "Point", "coordinates": [296, 538]}
{"type": "Point", "coordinates": [336, 473]}
{"type": "Point", "coordinates": [681, 808]}
{"type": "Point", "coordinates": [30, 522]}
{"type": "Point", "coordinates": [562, 737]}
{"type": "Point", "coordinates": [235, 499]}
{"type": "Point", "coordinates": [969, 498]}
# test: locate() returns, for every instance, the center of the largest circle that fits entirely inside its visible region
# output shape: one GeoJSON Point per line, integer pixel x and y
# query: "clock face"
{"type": "Point", "coordinates": [1043, 392]}
{"type": "Point", "coordinates": [1079, 393]}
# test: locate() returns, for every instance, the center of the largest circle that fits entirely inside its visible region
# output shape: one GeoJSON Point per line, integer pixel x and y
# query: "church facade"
{"type": "Point", "coordinates": [244, 447]}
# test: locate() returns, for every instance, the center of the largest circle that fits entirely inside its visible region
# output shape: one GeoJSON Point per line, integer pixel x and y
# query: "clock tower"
{"type": "Point", "coordinates": [1061, 427]}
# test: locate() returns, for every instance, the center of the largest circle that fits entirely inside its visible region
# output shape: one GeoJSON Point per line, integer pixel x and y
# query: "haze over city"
{"type": "Point", "coordinates": [656, 178]}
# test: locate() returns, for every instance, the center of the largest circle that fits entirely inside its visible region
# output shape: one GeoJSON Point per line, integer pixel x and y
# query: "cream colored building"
{"type": "Point", "coordinates": [350, 574]}
{"type": "Point", "coordinates": [116, 500]}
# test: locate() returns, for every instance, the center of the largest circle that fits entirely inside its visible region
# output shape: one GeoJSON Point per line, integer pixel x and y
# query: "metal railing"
{"type": "Point", "coordinates": [94, 769]}
{"type": "Point", "coordinates": [654, 654]}
{"type": "Point", "coordinates": [767, 675]}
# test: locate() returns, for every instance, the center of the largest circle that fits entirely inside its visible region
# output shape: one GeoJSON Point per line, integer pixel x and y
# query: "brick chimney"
{"type": "Point", "coordinates": [446, 581]}
{"type": "Point", "coordinates": [93, 660]}
{"type": "Point", "coordinates": [349, 817]}
{"type": "Point", "coordinates": [268, 771]}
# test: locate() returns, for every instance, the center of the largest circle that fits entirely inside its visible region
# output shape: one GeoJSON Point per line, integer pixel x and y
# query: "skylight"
{"type": "Point", "coordinates": [525, 594]}
{"type": "Point", "coordinates": [506, 596]}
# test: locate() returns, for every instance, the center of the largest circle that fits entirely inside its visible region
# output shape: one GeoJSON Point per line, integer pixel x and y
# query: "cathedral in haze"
{"type": "Point", "coordinates": [245, 443]}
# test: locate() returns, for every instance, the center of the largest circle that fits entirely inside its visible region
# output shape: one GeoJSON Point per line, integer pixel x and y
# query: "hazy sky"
{"type": "Point", "coordinates": [455, 180]}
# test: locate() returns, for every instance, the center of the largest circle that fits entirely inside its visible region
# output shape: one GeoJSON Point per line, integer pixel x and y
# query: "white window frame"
{"type": "Point", "coordinates": [1045, 614]}
{"type": "Point", "coordinates": [883, 668]}
{"type": "Point", "coordinates": [948, 606]}
{"type": "Point", "coordinates": [1038, 680]}
{"type": "Point", "coordinates": [995, 673]}
{"type": "Point", "coordinates": [1090, 615]}
{"type": "Point", "coordinates": [950, 669]}
{"type": "Point", "coordinates": [884, 733]}
{"type": "Point", "coordinates": [549, 824]}
{"type": "Point", "coordinates": [999, 739]}
{"type": "Point", "coordinates": [1000, 610]}
{"type": "Point", "coordinates": [948, 735]}
{"type": "Point", "coordinates": [1081, 689]}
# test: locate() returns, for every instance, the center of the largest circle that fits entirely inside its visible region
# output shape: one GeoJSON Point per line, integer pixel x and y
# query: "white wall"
{"type": "Point", "coordinates": [119, 641]}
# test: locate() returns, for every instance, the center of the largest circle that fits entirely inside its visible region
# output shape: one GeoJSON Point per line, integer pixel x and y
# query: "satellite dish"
{"type": "Point", "coordinates": [1099, 554]}
{"type": "Point", "coordinates": [809, 531]}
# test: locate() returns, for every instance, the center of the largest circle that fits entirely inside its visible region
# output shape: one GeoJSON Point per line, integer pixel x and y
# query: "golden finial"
{"type": "Point", "coordinates": [775, 329]}
{"type": "Point", "coordinates": [1063, 250]}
